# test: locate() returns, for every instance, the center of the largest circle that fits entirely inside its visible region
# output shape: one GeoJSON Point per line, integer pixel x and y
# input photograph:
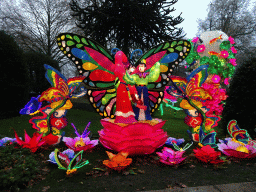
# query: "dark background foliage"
{"type": "Point", "coordinates": [241, 103]}
{"type": "Point", "coordinates": [127, 23]}
{"type": "Point", "coordinates": [14, 76]}
{"type": "Point", "coordinates": [18, 80]}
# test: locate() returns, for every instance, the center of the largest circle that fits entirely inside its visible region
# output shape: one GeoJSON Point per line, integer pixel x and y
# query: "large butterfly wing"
{"type": "Point", "coordinates": [195, 80]}
{"type": "Point", "coordinates": [232, 127]}
{"type": "Point", "coordinates": [178, 86]}
{"type": "Point", "coordinates": [61, 159]}
{"type": "Point", "coordinates": [59, 89]}
{"type": "Point", "coordinates": [169, 54]}
{"type": "Point", "coordinates": [40, 123]}
{"type": "Point", "coordinates": [210, 139]}
{"type": "Point", "coordinates": [104, 101]}
{"type": "Point", "coordinates": [74, 82]}
{"type": "Point", "coordinates": [155, 99]}
{"type": "Point", "coordinates": [97, 66]}
{"type": "Point", "coordinates": [90, 58]}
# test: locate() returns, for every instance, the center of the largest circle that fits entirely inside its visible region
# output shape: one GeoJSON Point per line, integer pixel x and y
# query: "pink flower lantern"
{"type": "Point", "coordinates": [224, 54]}
{"type": "Point", "coordinates": [236, 149]}
{"type": "Point", "coordinates": [233, 62]}
{"type": "Point", "coordinates": [136, 138]}
{"type": "Point", "coordinates": [200, 48]}
{"type": "Point", "coordinates": [79, 143]}
{"type": "Point", "coordinates": [233, 50]}
{"type": "Point", "coordinates": [216, 79]}
{"type": "Point", "coordinates": [231, 40]}
{"type": "Point", "coordinates": [226, 81]}
{"type": "Point", "coordinates": [171, 157]}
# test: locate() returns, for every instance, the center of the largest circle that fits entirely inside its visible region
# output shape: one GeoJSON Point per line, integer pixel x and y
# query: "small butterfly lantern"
{"type": "Point", "coordinates": [205, 139]}
{"type": "Point", "coordinates": [65, 163]}
{"type": "Point", "coordinates": [239, 134]}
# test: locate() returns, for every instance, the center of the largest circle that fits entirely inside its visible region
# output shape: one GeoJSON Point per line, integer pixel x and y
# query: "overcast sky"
{"type": "Point", "coordinates": [192, 10]}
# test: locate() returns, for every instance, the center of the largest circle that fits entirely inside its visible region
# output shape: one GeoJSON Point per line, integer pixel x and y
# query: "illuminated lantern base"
{"type": "Point", "coordinates": [140, 138]}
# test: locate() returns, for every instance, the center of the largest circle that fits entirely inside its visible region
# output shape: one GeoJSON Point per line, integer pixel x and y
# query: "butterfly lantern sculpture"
{"type": "Point", "coordinates": [65, 163]}
{"type": "Point", "coordinates": [240, 135]}
{"type": "Point", "coordinates": [111, 89]}
{"type": "Point", "coordinates": [104, 73]}
{"type": "Point", "coordinates": [53, 120]}
{"type": "Point", "coordinates": [193, 99]}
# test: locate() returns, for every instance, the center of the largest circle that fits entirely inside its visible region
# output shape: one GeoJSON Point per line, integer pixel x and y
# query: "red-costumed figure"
{"type": "Point", "coordinates": [125, 94]}
{"type": "Point", "coordinates": [124, 111]}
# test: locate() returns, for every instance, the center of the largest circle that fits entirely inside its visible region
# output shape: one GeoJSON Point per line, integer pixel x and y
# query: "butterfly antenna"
{"type": "Point", "coordinates": [76, 132]}
{"type": "Point", "coordinates": [114, 50]}
{"type": "Point", "coordinates": [139, 51]}
{"type": "Point", "coordinates": [86, 132]}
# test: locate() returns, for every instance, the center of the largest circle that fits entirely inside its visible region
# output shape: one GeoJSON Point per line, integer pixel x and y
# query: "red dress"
{"type": "Point", "coordinates": [124, 111]}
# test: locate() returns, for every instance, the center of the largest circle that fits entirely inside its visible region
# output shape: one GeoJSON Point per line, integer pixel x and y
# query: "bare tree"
{"type": "Point", "coordinates": [35, 24]}
{"type": "Point", "coordinates": [233, 18]}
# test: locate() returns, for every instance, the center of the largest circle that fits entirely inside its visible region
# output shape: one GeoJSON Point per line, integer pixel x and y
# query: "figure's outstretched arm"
{"type": "Point", "coordinates": [130, 79]}
{"type": "Point", "coordinates": [154, 72]}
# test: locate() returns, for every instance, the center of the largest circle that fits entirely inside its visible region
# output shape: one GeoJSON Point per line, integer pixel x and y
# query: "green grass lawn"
{"type": "Point", "coordinates": [151, 174]}
{"type": "Point", "coordinates": [81, 114]}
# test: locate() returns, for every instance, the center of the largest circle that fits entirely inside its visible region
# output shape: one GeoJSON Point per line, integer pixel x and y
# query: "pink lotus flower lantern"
{"type": "Point", "coordinates": [234, 148]}
{"type": "Point", "coordinates": [81, 142]}
{"type": "Point", "coordinates": [139, 138]}
{"type": "Point", "coordinates": [171, 157]}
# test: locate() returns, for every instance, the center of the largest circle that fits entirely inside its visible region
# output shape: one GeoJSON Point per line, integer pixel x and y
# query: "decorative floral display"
{"type": "Point", "coordinates": [79, 143]}
{"type": "Point", "coordinates": [218, 95]}
{"type": "Point", "coordinates": [237, 149]}
{"type": "Point", "coordinates": [171, 157]}
{"type": "Point", "coordinates": [139, 138]}
{"type": "Point", "coordinates": [221, 62]}
{"type": "Point", "coordinates": [117, 162]}
{"type": "Point", "coordinates": [207, 154]}
{"type": "Point", "coordinates": [69, 152]}
{"type": "Point", "coordinates": [31, 143]}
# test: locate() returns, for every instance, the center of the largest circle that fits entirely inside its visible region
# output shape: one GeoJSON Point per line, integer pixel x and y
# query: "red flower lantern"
{"type": "Point", "coordinates": [207, 154]}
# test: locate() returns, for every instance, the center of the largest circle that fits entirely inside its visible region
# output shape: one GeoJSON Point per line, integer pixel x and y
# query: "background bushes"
{"type": "Point", "coordinates": [241, 103]}
{"type": "Point", "coordinates": [21, 75]}
{"type": "Point", "coordinates": [17, 167]}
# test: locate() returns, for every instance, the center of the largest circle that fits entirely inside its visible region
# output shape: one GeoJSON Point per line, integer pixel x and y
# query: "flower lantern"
{"type": "Point", "coordinates": [117, 162]}
{"type": "Point", "coordinates": [207, 154]}
{"type": "Point", "coordinates": [171, 157]}
{"type": "Point", "coordinates": [139, 138]}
